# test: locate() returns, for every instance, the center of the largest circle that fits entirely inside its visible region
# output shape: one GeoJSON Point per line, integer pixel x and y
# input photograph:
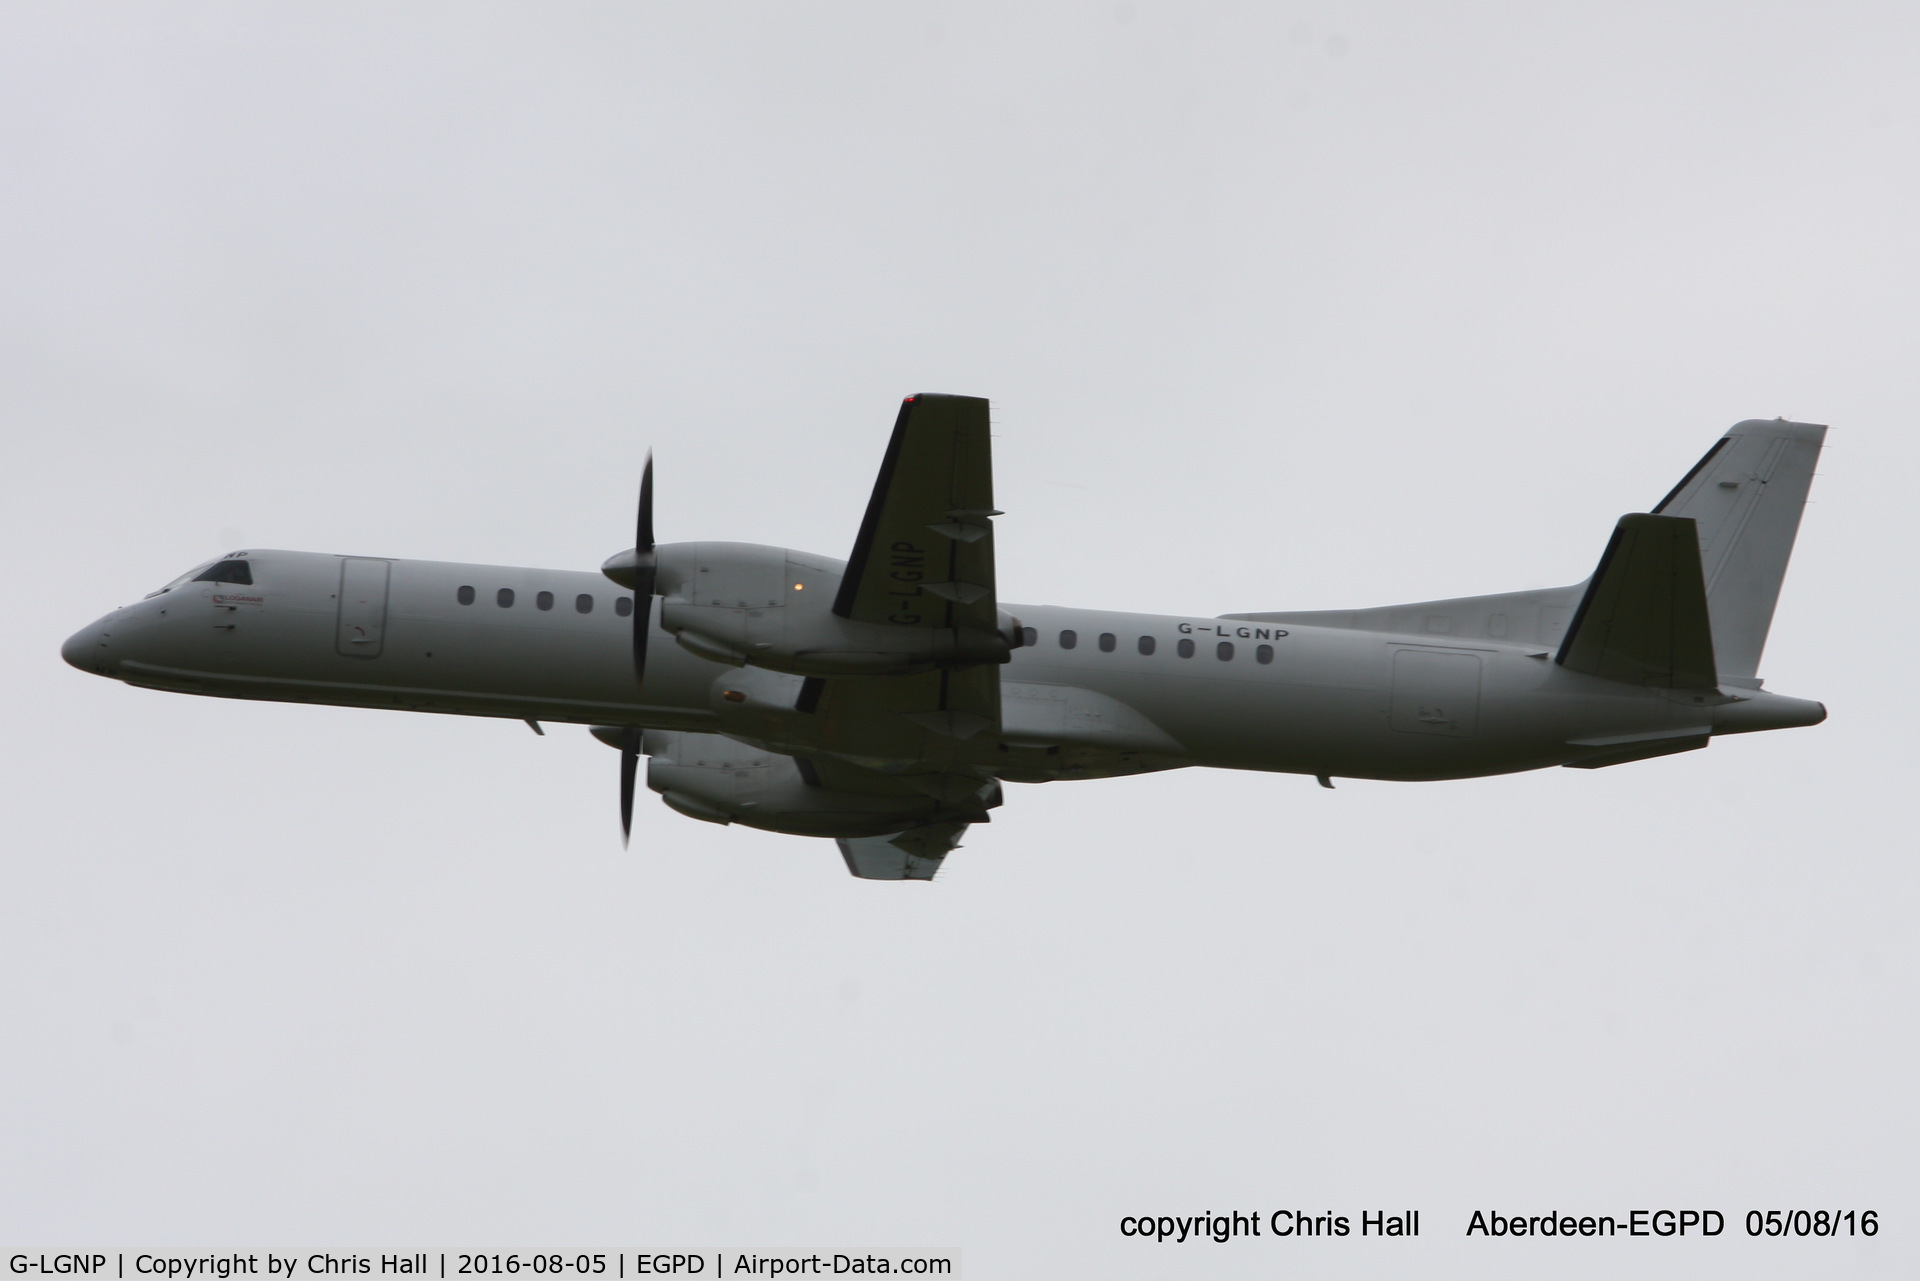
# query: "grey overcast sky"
{"type": "Point", "coordinates": [1286, 305]}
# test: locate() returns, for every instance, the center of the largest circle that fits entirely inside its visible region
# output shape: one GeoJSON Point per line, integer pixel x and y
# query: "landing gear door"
{"type": "Point", "coordinates": [363, 606]}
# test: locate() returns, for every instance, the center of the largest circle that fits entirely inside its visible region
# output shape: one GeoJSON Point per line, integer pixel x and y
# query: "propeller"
{"type": "Point", "coordinates": [645, 571]}
{"type": "Point", "coordinates": [629, 771]}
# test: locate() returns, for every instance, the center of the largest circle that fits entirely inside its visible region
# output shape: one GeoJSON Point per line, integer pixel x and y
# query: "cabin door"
{"type": "Point", "coordinates": [363, 606]}
{"type": "Point", "coordinates": [1435, 692]}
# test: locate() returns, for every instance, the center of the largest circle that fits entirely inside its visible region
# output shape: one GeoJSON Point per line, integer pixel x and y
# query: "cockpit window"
{"type": "Point", "coordinates": [187, 577]}
{"type": "Point", "coordinates": [226, 571]}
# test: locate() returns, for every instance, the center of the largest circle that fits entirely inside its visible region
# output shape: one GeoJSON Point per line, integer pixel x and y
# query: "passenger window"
{"type": "Point", "coordinates": [1106, 642]}
{"type": "Point", "coordinates": [583, 603]}
{"type": "Point", "coordinates": [505, 597]}
{"type": "Point", "coordinates": [623, 605]}
{"type": "Point", "coordinates": [543, 601]}
{"type": "Point", "coordinates": [1146, 644]}
{"type": "Point", "coordinates": [1264, 654]}
{"type": "Point", "coordinates": [1224, 651]}
{"type": "Point", "coordinates": [1069, 638]}
{"type": "Point", "coordinates": [464, 595]}
{"type": "Point", "coordinates": [226, 571]}
{"type": "Point", "coordinates": [1184, 649]}
{"type": "Point", "coordinates": [1029, 637]}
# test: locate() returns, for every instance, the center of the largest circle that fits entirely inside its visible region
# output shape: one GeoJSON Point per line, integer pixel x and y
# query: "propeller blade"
{"type": "Point", "coordinates": [629, 770]}
{"type": "Point", "coordinates": [645, 573]}
{"type": "Point", "coordinates": [643, 533]}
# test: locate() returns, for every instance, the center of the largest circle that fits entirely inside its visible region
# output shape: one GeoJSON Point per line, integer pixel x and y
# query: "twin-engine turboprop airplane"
{"type": "Point", "coordinates": [883, 700]}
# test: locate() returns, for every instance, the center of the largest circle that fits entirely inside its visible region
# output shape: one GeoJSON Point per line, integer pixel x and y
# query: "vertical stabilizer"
{"type": "Point", "coordinates": [1746, 496]}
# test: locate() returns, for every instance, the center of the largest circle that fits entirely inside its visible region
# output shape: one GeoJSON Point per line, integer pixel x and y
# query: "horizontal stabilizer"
{"type": "Point", "coordinates": [1618, 750]}
{"type": "Point", "coordinates": [1644, 618]}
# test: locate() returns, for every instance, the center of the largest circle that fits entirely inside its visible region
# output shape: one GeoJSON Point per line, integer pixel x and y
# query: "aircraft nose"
{"type": "Point", "coordinates": [90, 649]}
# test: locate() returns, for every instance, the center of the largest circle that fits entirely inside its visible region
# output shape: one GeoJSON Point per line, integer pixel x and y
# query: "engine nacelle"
{"type": "Point", "coordinates": [769, 607]}
{"type": "Point", "coordinates": [718, 780]}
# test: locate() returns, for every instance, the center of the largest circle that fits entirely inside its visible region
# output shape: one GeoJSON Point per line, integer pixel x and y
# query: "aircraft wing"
{"type": "Point", "coordinates": [917, 851]}
{"type": "Point", "coordinates": [919, 725]}
{"type": "Point", "coordinates": [924, 715]}
{"type": "Point", "coordinates": [924, 557]}
{"type": "Point", "coordinates": [924, 560]}
{"type": "Point", "coordinates": [913, 855]}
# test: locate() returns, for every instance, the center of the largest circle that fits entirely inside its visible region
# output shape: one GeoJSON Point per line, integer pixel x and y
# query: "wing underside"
{"type": "Point", "coordinates": [885, 761]}
{"type": "Point", "coordinates": [923, 559]}
{"type": "Point", "coordinates": [924, 555]}
{"type": "Point", "coordinates": [914, 855]}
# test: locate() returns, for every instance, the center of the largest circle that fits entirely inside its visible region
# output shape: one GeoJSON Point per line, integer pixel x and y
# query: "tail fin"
{"type": "Point", "coordinates": [1746, 496]}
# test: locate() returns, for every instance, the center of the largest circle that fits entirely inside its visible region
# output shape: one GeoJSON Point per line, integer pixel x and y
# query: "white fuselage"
{"type": "Point", "coordinates": [1332, 700]}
